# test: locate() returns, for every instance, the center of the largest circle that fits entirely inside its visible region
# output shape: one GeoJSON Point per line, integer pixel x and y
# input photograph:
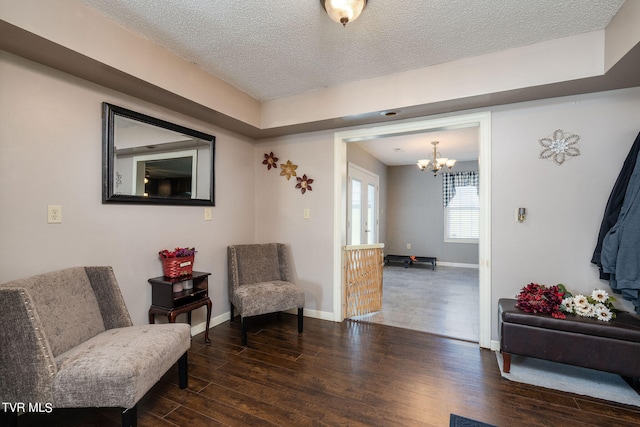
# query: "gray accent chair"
{"type": "Point", "coordinates": [68, 342]}
{"type": "Point", "coordinates": [260, 282]}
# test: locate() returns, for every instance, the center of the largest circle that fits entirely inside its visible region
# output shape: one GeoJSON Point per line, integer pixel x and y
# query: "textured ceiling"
{"type": "Point", "coordinates": [273, 49]}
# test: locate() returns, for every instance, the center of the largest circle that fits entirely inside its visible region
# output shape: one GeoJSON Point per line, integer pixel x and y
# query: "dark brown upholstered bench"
{"type": "Point", "coordinates": [612, 346]}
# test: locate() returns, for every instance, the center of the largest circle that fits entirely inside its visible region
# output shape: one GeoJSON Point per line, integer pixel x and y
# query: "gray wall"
{"type": "Point", "coordinates": [415, 216]}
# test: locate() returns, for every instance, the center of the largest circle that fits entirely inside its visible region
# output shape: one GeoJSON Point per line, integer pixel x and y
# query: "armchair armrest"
{"type": "Point", "coordinates": [110, 301]}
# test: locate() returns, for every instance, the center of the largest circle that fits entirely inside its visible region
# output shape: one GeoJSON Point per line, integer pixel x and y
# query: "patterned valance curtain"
{"type": "Point", "coordinates": [459, 179]}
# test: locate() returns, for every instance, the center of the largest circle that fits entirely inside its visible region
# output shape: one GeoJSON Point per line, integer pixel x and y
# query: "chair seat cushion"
{"type": "Point", "coordinates": [267, 297]}
{"type": "Point", "coordinates": [117, 367]}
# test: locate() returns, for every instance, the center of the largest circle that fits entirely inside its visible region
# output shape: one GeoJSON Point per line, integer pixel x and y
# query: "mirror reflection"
{"type": "Point", "coordinates": [152, 161]}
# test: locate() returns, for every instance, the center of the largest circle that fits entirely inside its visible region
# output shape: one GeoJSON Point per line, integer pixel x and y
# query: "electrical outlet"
{"type": "Point", "coordinates": [208, 214]}
{"type": "Point", "coordinates": [306, 214]}
{"type": "Point", "coordinates": [54, 214]}
{"type": "Point", "coordinates": [408, 245]}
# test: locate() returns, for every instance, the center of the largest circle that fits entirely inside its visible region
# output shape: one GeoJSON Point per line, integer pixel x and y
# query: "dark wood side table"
{"type": "Point", "coordinates": [169, 303]}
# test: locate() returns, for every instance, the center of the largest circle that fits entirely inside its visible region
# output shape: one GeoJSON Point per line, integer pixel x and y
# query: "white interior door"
{"type": "Point", "coordinates": [362, 199]}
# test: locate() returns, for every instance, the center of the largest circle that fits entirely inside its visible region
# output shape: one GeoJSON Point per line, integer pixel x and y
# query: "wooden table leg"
{"type": "Point", "coordinates": [206, 331]}
{"type": "Point", "coordinates": [171, 316]}
{"type": "Point", "coordinates": [152, 318]}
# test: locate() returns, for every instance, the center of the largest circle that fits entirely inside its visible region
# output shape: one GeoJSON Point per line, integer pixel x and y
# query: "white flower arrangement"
{"type": "Point", "coordinates": [598, 305]}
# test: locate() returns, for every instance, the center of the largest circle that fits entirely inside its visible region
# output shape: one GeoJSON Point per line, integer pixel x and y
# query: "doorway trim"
{"type": "Point", "coordinates": [483, 121]}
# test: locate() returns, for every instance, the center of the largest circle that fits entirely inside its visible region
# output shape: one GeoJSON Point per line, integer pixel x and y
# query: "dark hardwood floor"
{"type": "Point", "coordinates": [348, 373]}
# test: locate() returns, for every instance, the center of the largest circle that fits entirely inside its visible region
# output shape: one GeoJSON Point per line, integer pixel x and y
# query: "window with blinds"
{"type": "Point", "coordinates": [462, 216]}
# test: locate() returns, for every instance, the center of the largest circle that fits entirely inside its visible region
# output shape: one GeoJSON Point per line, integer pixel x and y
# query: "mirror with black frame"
{"type": "Point", "coordinates": [148, 160]}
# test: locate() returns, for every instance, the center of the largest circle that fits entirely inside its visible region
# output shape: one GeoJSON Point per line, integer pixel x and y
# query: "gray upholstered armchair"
{"type": "Point", "coordinates": [260, 282]}
{"type": "Point", "coordinates": [68, 342]}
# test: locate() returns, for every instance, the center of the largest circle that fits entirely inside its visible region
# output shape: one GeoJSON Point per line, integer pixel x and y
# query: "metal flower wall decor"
{"type": "Point", "coordinates": [304, 183]}
{"type": "Point", "coordinates": [288, 170]}
{"type": "Point", "coordinates": [270, 160]}
{"type": "Point", "coordinates": [559, 146]}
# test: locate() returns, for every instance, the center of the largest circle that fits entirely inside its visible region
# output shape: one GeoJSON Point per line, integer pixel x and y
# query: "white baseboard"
{"type": "Point", "coordinates": [200, 327]}
{"type": "Point", "coordinates": [457, 264]}
{"type": "Point", "coordinates": [316, 314]}
{"type": "Point", "coordinates": [224, 317]}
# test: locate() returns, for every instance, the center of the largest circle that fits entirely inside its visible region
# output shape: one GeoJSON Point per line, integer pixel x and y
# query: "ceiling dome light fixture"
{"type": "Point", "coordinates": [343, 11]}
{"type": "Point", "coordinates": [435, 163]}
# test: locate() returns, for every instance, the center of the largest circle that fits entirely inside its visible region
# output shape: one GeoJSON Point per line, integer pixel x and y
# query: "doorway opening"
{"type": "Point", "coordinates": [483, 121]}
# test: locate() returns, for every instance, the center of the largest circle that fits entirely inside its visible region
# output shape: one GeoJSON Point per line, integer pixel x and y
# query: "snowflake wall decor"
{"type": "Point", "coordinates": [559, 146]}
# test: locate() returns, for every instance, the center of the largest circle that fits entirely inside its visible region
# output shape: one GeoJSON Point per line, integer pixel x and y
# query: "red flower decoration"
{"type": "Point", "coordinates": [270, 160]}
{"type": "Point", "coordinates": [177, 252]}
{"type": "Point", "coordinates": [535, 298]}
{"type": "Point", "coordinates": [304, 183]}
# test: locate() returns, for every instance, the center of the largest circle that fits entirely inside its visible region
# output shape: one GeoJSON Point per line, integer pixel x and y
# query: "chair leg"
{"type": "Point", "coordinates": [244, 329]}
{"type": "Point", "coordinates": [130, 417]}
{"type": "Point", "coordinates": [183, 371]}
{"type": "Point", "coordinates": [231, 310]}
{"type": "Point", "coordinates": [300, 317]}
{"type": "Point", "coordinates": [506, 362]}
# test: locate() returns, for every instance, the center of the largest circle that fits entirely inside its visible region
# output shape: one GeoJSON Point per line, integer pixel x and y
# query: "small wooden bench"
{"type": "Point", "coordinates": [611, 346]}
{"type": "Point", "coordinates": [410, 260]}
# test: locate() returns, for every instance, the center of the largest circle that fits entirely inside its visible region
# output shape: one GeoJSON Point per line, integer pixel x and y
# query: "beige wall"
{"type": "Point", "coordinates": [565, 204]}
{"type": "Point", "coordinates": [279, 214]}
{"type": "Point", "coordinates": [50, 153]}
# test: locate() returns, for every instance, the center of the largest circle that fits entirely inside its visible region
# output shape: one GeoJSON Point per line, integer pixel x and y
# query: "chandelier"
{"type": "Point", "coordinates": [343, 11]}
{"type": "Point", "coordinates": [435, 163]}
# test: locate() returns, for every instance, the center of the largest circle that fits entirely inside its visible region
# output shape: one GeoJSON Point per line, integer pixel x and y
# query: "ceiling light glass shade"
{"type": "Point", "coordinates": [343, 11]}
{"type": "Point", "coordinates": [422, 164]}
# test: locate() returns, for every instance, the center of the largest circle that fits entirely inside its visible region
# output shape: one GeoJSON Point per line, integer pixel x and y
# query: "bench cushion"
{"type": "Point", "coordinates": [123, 363]}
{"type": "Point", "coordinates": [624, 327]}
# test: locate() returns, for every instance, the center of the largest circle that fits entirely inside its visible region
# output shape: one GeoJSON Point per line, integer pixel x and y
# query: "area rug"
{"type": "Point", "coordinates": [572, 379]}
{"type": "Point", "coordinates": [458, 421]}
